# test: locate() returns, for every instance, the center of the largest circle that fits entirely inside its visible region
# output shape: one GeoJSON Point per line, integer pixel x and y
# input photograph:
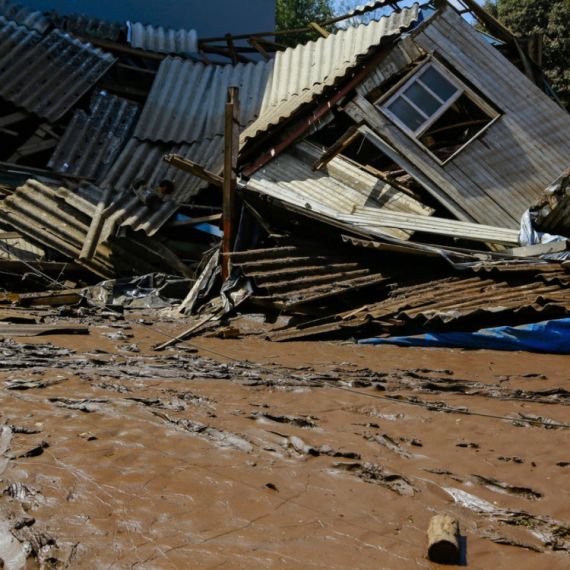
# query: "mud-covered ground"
{"type": "Point", "coordinates": [329, 456]}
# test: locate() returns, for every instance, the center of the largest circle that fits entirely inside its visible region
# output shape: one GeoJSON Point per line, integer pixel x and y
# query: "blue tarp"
{"type": "Point", "coordinates": [548, 336]}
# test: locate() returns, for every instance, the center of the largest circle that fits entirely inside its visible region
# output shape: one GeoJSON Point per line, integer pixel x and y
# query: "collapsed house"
{"type": "Point", "coordinates": [382, 175]}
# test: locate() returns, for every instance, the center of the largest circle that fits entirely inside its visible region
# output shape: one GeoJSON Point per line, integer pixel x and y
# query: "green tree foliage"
{"type": "Point", "coordinates": [550, 18]}
{"type": "Point", "coordinates": [297, 14]}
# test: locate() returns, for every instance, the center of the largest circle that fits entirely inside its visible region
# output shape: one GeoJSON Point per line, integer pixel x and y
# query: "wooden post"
{"type": "Point", "coordinates": [443, 540]}
{"type": "Point", "coordinates": [231, 148]}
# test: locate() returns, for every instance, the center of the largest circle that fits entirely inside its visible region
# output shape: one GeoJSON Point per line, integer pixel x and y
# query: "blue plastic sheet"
{"type": "Point", "coordinates": [547, 336]}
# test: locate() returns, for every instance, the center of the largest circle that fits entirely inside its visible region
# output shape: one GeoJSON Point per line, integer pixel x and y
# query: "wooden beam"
{"type": "Point", "coordinates": [186, 333]}
{"type": "Point", "coordinates": [232, 49]}
{"type": "Point", "coordinates": [115, 46]}
{"type": "Point", "coordinates": [13, 118]}
{"type": "Point", "coordinates": [231, 149]}
{"type": "Point", "coordinates": [346, 140]}
{"type": "Point", "coordinates": [193, 221]}
{"type": "Point", "coordinates": [322, 32]}
{"type": "Point", "coordinates": [190, 166]}
{"type": "Point", "coordinates": [255, 43]}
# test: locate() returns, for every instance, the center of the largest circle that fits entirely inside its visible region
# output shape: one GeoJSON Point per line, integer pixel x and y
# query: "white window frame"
{"type": "Point", "coordinates": [398, 92]}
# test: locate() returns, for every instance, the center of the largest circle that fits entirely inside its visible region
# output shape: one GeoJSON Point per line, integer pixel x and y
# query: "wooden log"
{"type": "Point", "coordinates": [443, 540]}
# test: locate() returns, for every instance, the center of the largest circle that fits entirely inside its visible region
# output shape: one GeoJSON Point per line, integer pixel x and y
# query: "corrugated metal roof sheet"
{"type": "Point", "coordinates": [295, 275]}
{"type": "Point", "coordinates": [60, 219]}
{"type": "Point", "coordinates": [162, 40]}
{"type": "Point", "coordinates": [463, 297]}
{"type": "Point", "coordinates": [46, 76]}
{"type": "Point", "coordinates": [187, 99]}
{"type": "Point", "coordinates": [83, 25]}
{"type": "Point", "coordinates": [302, 73]}
{"type": "Point", "coordinates": [143, 160]}
{"type": "Point", "coordinates": [186, 102]}
{"type": "Point", "coordinates": [335, 191]}
{"type": "Point", "coordinates": [92, 142]}
{"type": "Point", "coordinates": [32, 19]}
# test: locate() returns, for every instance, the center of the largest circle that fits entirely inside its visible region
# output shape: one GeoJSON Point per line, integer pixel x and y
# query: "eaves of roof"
{"type": "Point", "coordinates": [300, 74]}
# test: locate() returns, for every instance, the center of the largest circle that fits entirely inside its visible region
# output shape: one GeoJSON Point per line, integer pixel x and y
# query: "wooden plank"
{"type": "Point", "coordinates": [192, 167]}
{"type": "Point", "coordinates": [92, 239]}
{"type": "Point", "coordinates": [371, 217]}
{"type": "Point", "coordinates": [194, 221]}
{"type": "Point", "coordinates": [341, 144]}
{"type": "Point", "coordinates": [538, 249]}
{"type": "Point", "coordinates": [36, 330]}
{"type": "Point", "coordinates": [188, 303]}
{"type": "Point", "coordinates": [186, 333]}
{"type": "Point", "coordinates": [52, 298]}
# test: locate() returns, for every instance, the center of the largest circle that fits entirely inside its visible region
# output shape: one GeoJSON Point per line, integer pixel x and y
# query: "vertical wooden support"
{"type": "Point", "coordinates": [231, 148]}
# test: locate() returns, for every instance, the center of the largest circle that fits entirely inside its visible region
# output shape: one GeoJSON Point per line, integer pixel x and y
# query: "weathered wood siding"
{"type": "Point", "coordinates": [495, 178]}
{"type": "Point", "coordinates": [403, 53]}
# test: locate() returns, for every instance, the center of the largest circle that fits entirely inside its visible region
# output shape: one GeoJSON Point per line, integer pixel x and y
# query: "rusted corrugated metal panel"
{"type": "Point", "coordinates": [463, 297]}
{"type": "Point", "coordinates": [290, 276]}
{"type": "Point", "coordinates": [92, 142]}
{"type": "Point", "coordinates": [24, 16]}
{"type": "Point", "coordinates": [448, 304]}
{"type": "Point", "coordinates": [187, 99]}
{"type": "Point", "coordinates": [47, 77]}
{"type": "Point", "coordinates": [60, 219]}
{"type": "Point", "coordinates": [84, 25]}
{"type": "Point", "coordinates": [142, 160]}
{"type": "Point", "coordinates": [301, 73]}
{"type": "Point", "coordinates": [162, 40]}
{"type": "Point", "coordinates": [335, 191]}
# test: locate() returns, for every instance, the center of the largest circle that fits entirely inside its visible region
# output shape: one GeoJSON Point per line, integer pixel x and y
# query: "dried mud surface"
{"type": "Point", "coordinates": [330, 456]}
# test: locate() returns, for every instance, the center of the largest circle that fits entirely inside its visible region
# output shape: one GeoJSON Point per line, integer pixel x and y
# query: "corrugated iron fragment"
{"type": "Point", "coordinates": [162, 40]}
{"type": "Point", "coordinates": [61, 218]}
{"type": "Point", "coordinates": [295, 275]}
{"type": "Point", "coordinates": [24, 16]}
{"type": "Point", "coordinates": [301, 73]}
{"type": "Point", "coordinates": [187, 100]}
{"type": "Point", "coordinates": [142, 160]}
{"type": "Point", "coordinates": [84, 25]}
{"type": "Point", "coordinates": [92, 141]}
{"type": "Point", "coordinates": [47, 77]}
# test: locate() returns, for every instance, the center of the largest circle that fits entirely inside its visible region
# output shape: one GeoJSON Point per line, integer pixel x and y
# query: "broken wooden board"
{"type": "Point", "coordinates": [37, 330]}
{"type": "Point", "coordinates": [52, 298]}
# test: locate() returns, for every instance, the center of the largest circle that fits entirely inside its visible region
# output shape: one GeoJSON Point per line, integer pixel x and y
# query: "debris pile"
{"type": "Point", "coordinates": [383, 180]}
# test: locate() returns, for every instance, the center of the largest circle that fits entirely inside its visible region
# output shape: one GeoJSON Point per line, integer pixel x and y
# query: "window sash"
{"type": "Point", "coordinates": [429, 119]}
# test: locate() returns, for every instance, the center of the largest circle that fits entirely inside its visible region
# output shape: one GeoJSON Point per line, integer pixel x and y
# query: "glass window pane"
{"type": "Point", "coordinates": [422, 99]}
{"type": "Point", "coordinates": [438, 84]}
{"type": "Point", "coordinates": [406, 113]}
